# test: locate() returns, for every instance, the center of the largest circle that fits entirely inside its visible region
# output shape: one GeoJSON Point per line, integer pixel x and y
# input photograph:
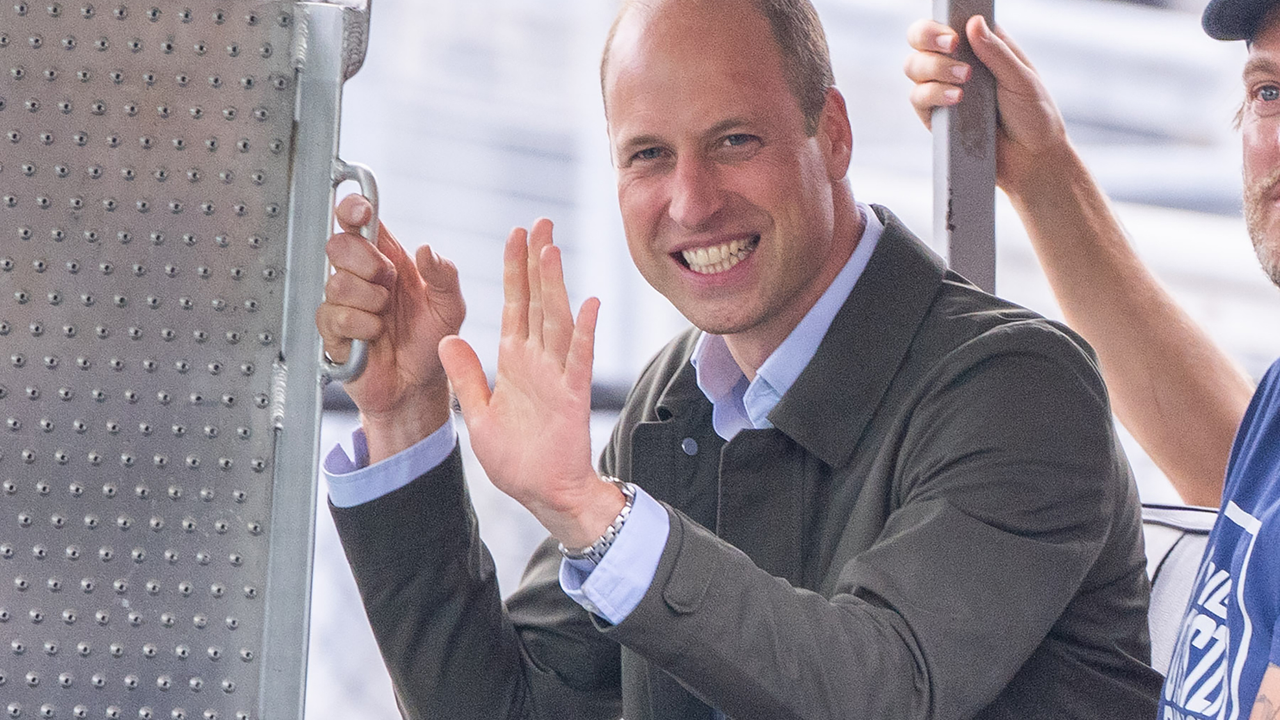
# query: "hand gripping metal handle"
{"type": "Point", "coordinates": [343, 171]}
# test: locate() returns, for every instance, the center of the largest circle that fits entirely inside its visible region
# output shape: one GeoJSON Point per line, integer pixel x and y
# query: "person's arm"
{"type": "Point", "coordinates": [1179, 394]}
{"type": "Point", "coordinates": [1266, 706]}
{"type": "Point", "coordinates": [452, 646]}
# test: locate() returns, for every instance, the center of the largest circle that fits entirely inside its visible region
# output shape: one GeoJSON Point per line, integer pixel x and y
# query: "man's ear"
{"type": "Point", "coordinates": [835, 135]}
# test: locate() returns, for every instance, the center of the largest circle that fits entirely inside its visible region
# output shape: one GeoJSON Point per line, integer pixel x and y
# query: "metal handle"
{"type": "Point", "coordinates": [343, 171]}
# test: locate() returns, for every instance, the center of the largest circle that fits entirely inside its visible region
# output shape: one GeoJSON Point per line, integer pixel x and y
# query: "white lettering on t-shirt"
{"type": "Point", "coordinates": [1204, 675]}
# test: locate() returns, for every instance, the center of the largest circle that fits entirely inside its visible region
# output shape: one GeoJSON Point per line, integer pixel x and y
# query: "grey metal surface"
{"type": "Point", "coordinates": [964, 159]}
{"type": "Point", "coordinates": [145, 209]}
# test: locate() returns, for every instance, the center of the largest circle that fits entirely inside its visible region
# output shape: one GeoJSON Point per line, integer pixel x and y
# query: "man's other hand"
{"type": "Point", "coordinates": [1031, 132]}
{"type": "Point", "coordinates": [402, 308]}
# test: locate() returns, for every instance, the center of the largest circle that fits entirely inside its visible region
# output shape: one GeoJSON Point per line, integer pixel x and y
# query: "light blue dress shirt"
{"type": "Point", "coordinates": [614, 587]}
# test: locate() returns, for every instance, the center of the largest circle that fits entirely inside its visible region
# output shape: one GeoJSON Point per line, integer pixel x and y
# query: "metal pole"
{"type": "Point", "coordinates": [964, 159]}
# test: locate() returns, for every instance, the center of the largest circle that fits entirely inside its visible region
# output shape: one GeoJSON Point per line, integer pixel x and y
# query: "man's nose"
{"type": "Point", "coordinates": [696, 194]}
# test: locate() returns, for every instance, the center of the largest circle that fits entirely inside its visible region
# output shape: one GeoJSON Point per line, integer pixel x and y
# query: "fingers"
{"type": "Point", "coordinates": [353, 212]}
{"type": "Point", "coordinates": [515, 286]}
{"type": "Point", "coordinates": [539, 237]}
{"type": "Point", "coordinates": [932, 36]}
{"type": "Point", "coordinates": [338, 325]}
{"type": "Point", "coordinates": [557, 316]}
{"type": "Point", "coordinates": [926, 97]}
{"type": "Point", "coordinates": [347, 290]}
{"type": "Point", "coordinates": [582, 346]}
{"type": "Point", "coordinates": [352, 254]}
{"type": "Point", "coordinates": [466, 375]}
{"type": "Point", "coordinates": [932, 67]}
{"type": "Point", "coordinates": [937, 76]}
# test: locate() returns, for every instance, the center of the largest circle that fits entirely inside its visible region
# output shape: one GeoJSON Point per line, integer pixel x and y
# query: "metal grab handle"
{"type": "Point", "coordinates": [343, 171]}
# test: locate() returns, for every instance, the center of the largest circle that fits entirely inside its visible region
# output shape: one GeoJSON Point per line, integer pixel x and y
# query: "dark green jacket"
{"type": "Point", "coordinates": [940, 525]}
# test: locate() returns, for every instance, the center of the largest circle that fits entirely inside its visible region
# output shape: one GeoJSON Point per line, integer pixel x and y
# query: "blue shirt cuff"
{"type": "Point", "coordinates": [355, 481]}
{"type": "Point", "coordinates": [615, 587]}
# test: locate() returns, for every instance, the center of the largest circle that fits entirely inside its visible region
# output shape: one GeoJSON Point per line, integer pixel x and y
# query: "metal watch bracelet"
{"type": "Point", "coordinates": [596, 550]}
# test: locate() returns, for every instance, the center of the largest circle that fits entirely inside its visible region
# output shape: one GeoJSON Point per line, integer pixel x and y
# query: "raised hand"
{"type": "Point", "coordinates": [531, 433]}
{"type": "Point", "coordinates": [402, 308]}
{"type": "Point", "coordinates": [1032, 134]}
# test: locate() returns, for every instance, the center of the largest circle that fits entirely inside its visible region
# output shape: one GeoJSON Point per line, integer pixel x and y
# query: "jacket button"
{"type": "Point", "coordinates": [689, 446]}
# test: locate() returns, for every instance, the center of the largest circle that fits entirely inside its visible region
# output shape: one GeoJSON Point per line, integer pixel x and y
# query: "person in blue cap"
{"type": "Point", "coordinates": [1179, 394]}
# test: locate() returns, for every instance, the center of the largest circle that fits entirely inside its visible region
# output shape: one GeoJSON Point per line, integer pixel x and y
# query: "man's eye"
{"type": "Point", "coordinates": [1267, 93]}
{"type": "Point", "coordinates": [737, 139]}
{"type": "Point", "coordinates": [652, 153]}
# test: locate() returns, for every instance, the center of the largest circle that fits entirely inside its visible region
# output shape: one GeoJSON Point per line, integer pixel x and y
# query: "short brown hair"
{"type": "Point", "coordinates": [806, 59]}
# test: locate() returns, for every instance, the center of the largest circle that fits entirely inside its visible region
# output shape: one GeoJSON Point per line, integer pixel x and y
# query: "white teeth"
{"type": "Point", "coordinates": [719, 258]}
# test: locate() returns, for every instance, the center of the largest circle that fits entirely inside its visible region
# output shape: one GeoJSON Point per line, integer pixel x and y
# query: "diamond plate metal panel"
{"type": "Point", "coordinates": [144, 188]}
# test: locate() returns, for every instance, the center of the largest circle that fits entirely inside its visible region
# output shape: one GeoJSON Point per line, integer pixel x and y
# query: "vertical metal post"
{"type": "Point", "coordinates": [964, 158]}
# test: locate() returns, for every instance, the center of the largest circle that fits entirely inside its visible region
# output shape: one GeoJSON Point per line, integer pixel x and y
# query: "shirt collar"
{"type": "Point", "coordinates": [739, 405]}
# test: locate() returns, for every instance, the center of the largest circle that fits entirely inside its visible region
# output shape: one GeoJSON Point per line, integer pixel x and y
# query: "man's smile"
{"type": "Point", "coordinates": [719, 258]}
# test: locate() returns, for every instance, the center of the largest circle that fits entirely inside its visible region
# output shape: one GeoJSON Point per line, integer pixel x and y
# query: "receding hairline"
{"type": "Point", "coordinates": [811, 53]}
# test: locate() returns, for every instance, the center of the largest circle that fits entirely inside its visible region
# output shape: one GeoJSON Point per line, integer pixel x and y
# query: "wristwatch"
{"type": "Point", "coordinates": [596, 550]}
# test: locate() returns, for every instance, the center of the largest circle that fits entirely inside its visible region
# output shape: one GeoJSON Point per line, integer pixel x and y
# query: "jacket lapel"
{"type": "Point", "coordinates": [835, 397]}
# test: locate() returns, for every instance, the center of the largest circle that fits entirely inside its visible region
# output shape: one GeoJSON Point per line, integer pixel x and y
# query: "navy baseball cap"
{"type": "Point", "coordinates": [1235, 19]}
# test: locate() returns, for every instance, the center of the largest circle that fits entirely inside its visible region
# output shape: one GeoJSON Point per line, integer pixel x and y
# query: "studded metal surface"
{"type": "Point", "coordinates": [144, 161]}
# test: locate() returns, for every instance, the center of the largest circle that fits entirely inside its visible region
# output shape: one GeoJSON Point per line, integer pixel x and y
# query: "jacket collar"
{"type": "Point", "coordinates": [835, 396]}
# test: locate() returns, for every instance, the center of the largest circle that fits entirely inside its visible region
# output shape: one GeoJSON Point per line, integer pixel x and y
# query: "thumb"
{"type": "Point", "coordinates": [1009, 69]}
{"type": "Point", "coordinates": [462, 365]}
{"type": "Point", "coordinates": [438, 271]}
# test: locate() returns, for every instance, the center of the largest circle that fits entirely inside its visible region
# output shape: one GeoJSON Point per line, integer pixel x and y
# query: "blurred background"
{"type": "Point", "coordinates": [482, 115]}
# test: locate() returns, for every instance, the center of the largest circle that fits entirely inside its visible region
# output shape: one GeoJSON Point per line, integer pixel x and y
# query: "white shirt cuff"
{"type": "Point", "coordinates": [352, 482]}
{"type": "Point", "coordinates": [615, 587]}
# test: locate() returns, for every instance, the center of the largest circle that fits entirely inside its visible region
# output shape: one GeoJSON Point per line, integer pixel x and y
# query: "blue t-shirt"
{"type": "Point", "coordinates": [1229, 633]}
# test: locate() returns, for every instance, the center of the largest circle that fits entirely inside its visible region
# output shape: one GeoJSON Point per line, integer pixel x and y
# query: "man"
{"type": "Point", "coordinates": [1178, 393]}
{"type": "Point", "coordinates": [860, 488]}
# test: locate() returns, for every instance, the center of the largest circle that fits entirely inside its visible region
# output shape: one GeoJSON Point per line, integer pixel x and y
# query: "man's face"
{"type": "Point", "coordinates": [1260, 126]}
{"type": "Point", "coordinates": [726, 201]}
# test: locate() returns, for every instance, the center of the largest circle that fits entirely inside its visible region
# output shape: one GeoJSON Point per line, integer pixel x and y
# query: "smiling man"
{"type": "Point", "coordinates": [858, 487]}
